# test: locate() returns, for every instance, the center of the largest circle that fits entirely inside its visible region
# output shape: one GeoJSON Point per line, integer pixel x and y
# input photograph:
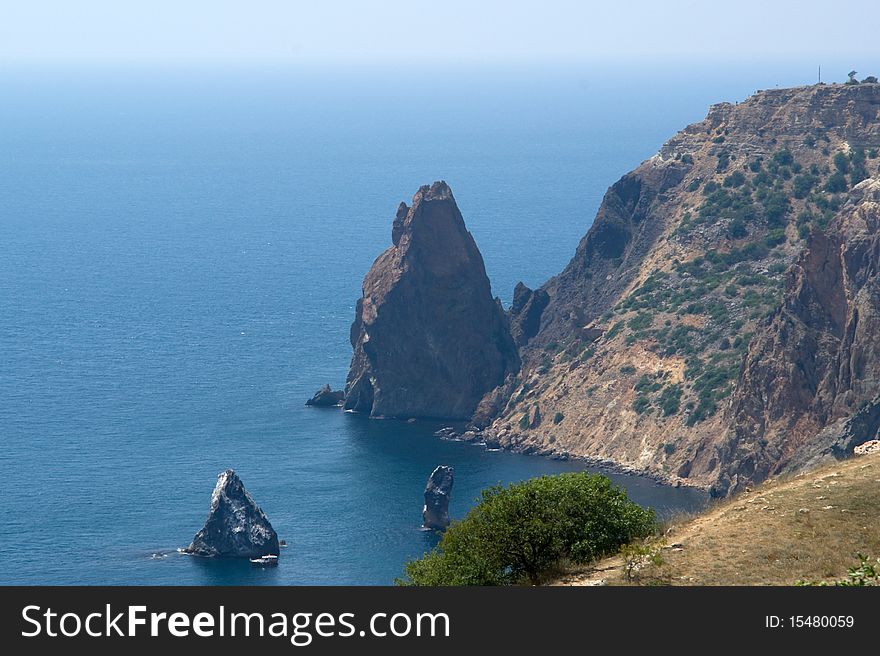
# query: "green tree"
{"type": "Point", "coordinates": [836, 183]}
{"type": "Point", "coordinates": [519, 532]}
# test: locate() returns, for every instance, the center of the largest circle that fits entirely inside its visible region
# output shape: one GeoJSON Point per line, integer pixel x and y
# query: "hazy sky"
{"type": "Point", "coordinates": [204, 31]}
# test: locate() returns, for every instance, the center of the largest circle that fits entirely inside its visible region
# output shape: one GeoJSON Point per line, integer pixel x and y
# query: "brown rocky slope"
{"type": "Point", "coordinates": [716, 324]}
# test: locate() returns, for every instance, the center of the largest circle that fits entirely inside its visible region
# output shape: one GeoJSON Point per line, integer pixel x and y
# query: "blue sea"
{"type": "Point", "coordinates": [182, 251]}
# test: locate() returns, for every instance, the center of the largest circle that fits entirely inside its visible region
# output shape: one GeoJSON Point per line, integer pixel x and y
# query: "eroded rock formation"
{"type": "Point", "coordinates": [429, 340]}
{"type": "Point", "coordinates": [236, 527]}
{"type": "Point", "coordinates": [326, 397]}
{"type": "Point", "coordinates": [435, 514]}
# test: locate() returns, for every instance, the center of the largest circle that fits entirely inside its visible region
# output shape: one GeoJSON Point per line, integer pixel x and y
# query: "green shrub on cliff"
{"type": "Point", "coordinates": [518, 533]}
{"type": "Point", "coordinates": [836, 183]}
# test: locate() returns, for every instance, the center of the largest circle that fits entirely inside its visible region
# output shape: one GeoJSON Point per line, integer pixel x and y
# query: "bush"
{"type": "Point", "coordinates": [867, 573]}
{"type": "Point", "coordinates": [803, 185]}
{"type": "Point", "coordinates": [735, 179]}
{"type": "Point", "coordinates": [614, 330]}
{"type": "Point", "coordinates": [737, 229]}
{"type": "Point", "coordinates": [836, 183]}
{"type": "Point", "coordinates": [776, 206]}
{"type": "Point", "coordinates": [670, 400]}
{"type": "Point", "coordinates": [520, 532]}
{"type": "Point", "coordinates": [783, 157]}
{"type": "Point", "coordinates": [639, 556]}
{"type": "Point", "coordinates": [558, 417]}
{"type": "Point", "coordinates": [641, 321]}
{"type": "Point", "coordinates": [775, 237]}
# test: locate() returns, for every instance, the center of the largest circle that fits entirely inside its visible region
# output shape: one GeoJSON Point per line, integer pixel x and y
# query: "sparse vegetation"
{"type": "Point", "coordinates": [811, 527]}
{"type": "Point", "coordinates": [836, 183]}
{"type": "Point", "coordinates": [867, 572]}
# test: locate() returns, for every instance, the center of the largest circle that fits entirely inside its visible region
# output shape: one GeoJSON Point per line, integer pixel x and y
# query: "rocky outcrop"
{"type": "Point", "coordinates": [429, 340]}
{"type": "Point", "coordinates": [808, 388]}
{"type": "Point", "coordinates": [435, 514]}
{"type": "Point", "coordinates": [326, 397]}
{"type": "Point", "coordinates": [719, 322]}
{"type": "Point", "coordinates": [717, 325]}
{"type": "Point", "coordinates": [236, 527]}
{"type": "Point", "coordinates": [867, 448]}
{"type": "Point", "coordinates": [525, 313]}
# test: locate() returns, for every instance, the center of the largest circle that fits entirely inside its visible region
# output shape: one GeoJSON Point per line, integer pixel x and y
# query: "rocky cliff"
{"type": "Point", "coordinates": [429, 339]}
{"type": "Point", "coordinates": [717, 323]}
{"type": "Point", "coordinates": [809, 387]}
{"type": "Point", "coordinates": [715, 327]}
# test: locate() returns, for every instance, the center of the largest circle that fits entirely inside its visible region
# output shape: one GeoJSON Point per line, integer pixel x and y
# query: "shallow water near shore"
{"type": "Point", "coordinates": [182, 256]}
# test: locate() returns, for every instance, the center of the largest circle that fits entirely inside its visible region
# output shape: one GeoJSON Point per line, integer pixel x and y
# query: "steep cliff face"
{"type": "Point", "coordinates": [675, 341]}
{"type": "Point", "coordinates": [810, 381]}
{"type": "Point", "coordinates": [429, 340]}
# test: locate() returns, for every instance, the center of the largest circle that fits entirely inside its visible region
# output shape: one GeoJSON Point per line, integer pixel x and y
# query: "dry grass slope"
{"type": "Point", "coordinates": [807, 527]}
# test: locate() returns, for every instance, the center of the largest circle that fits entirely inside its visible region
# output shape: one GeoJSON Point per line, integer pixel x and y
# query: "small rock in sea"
{"type": "Point", "coordinates": [492, 442]}
{"type": "Point", "coordinates": [326, 397]}
{"type": "Point", "coordinates": [435, 513]}
{"type": "Point", "coordinates": [236, 527]}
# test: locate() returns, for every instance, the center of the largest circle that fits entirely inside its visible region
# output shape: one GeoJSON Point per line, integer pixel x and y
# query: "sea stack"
{"type": "Point", "coordinates": [429, 340]}
{"type": "Point", "coordinates": [435, 514]}
{"type": "Point", "coordinates": [326, 397]}
{"type": "Point", "coordinates": [236, 527]}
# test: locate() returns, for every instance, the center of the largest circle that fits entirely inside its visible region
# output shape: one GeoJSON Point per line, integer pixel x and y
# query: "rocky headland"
{"type": "Point", "coordinates": [715, 327]}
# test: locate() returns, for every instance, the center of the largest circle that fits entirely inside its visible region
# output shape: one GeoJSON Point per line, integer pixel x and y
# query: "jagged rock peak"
{"type": "Point", "coordinates": [236, 527]}
{"type": "Point", "coordinates": [435, 514]}
{"type": "Point", "coordinates": [428, 338]}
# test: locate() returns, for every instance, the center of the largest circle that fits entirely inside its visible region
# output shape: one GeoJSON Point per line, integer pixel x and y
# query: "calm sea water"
{"type": "Point", "coordinates": [181, 256]}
